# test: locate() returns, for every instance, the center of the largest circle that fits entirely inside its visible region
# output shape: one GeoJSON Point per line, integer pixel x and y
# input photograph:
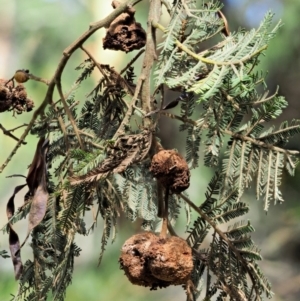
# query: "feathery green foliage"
{"type": "Point", "coordinates": [223, 109]}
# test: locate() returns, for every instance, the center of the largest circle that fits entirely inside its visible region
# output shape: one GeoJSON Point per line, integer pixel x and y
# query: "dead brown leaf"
{"type": "Point", "coordinates": [37, 183]}
{"type": "Point", "coordinates": [127, 150]}
{"type": "Point", "coordinates": [14, 243]}
{"type": "Point", "coordinates": [226, 30]}
{"type": "Point", "coordinates": [38, 207]}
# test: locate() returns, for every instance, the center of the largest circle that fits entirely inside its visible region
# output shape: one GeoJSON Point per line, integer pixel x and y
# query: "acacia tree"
{"type": "Point", "coordinates": [108, 156]}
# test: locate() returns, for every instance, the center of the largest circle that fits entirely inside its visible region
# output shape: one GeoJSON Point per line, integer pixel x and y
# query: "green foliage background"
{"type": "Point", "coordinates": [33, 35]}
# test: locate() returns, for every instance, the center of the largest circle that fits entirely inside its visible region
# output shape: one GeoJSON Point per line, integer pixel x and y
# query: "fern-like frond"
{"type": "Point", "coordinates": [211, 84]}
{"type": "Point", "coordinates": [74, 205]}
{"type": "Point", "coordinates": [168, 49]}
{"type": "Point", "coordinates": [192, 145]}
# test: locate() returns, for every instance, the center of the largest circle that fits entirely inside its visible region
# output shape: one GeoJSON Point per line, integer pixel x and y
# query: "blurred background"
{"type": "Point", "coordinates": [33, 35]}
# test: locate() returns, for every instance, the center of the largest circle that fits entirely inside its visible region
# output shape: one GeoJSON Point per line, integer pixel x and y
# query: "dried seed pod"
{"type": "Point", "coordinates": [14, 98]}
{"type": "Point", "coordinates": [124, 33]}
{"type": "Point", "coordinates": [3, 92]}
{"type": "Point", "coordinates": [151, 261]}
{"type": "Point", "coordinates": [29, 104]}
{"type": "Point", "coordinates": [171, 260]}
{"type": "Point", "coordinates": [134, 260]}
{"type": "Point", "coordinates": [170, 168]}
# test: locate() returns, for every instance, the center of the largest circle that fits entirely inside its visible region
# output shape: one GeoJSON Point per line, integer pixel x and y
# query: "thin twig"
{"type": "Point", "coordinates": [260, 143]}
{"type": "Point", "coordinates": [38, 79]}
{"type": "Point", "coordinates": [130, 110]}
{"type": "Point", "coordinates": [226, 30]}
{"type": "Point", "coordinates": [150, 56]}
{"type": "Point", "coordinates": [61, 121]}
{"type": "Point", "coordinates": [69, 113]}
{"type": "Point", "coordinates": [164, 227]}
{"type": "Point", "coordinates": [95, 62]}
{"type": "Point", "coordinates": [67, 53]}
{"type": "Point", "coordinates": [160, 200]}
{"type": "Point", "coordinates": [167, 6]}
{"type": "Point", "coordinates": [9, 134]}
{"type": "Point", "coordinates": [133, 60]}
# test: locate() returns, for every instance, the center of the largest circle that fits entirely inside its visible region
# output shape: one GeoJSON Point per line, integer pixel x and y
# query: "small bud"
{"type": "Point", "coordinates": [21, 76]}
